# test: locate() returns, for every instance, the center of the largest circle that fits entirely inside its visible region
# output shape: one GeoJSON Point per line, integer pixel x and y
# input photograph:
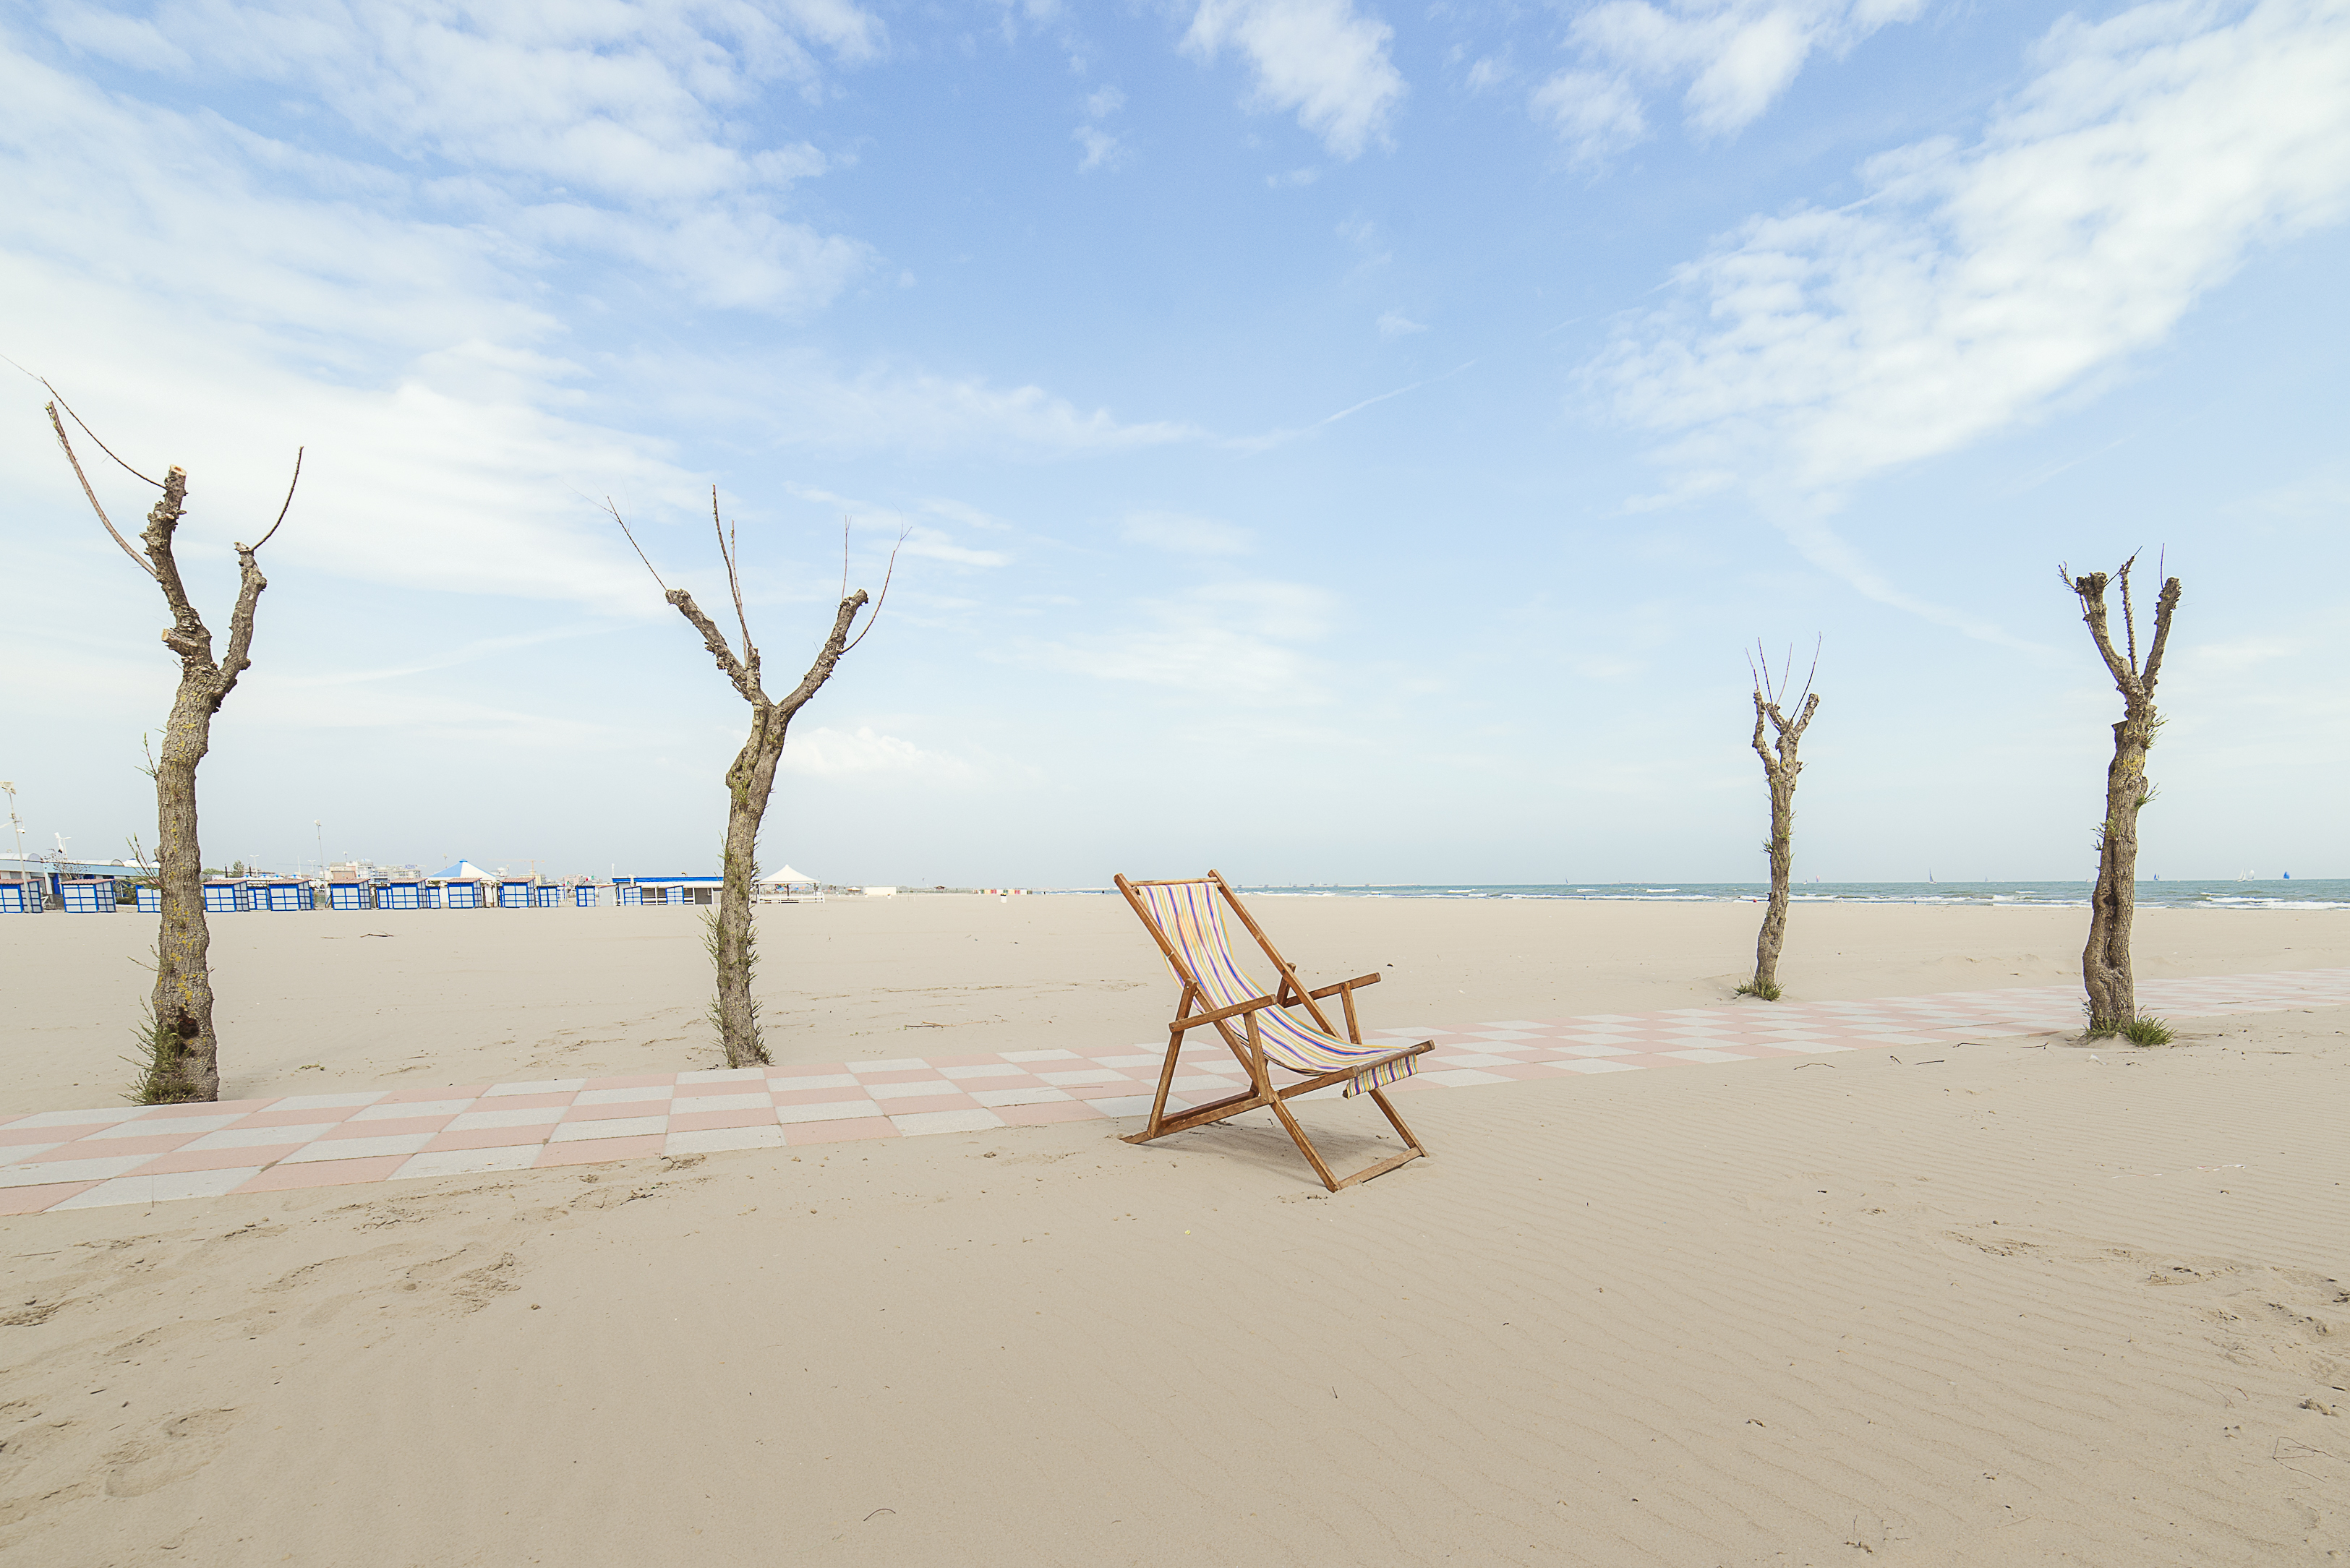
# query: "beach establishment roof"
{"type": "Point", "coordinates": [467, 872]}
{"type": "Point", "coordinates": [786, 875]}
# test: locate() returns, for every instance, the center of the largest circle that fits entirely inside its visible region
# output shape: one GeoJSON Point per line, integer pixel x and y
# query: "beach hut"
{"type": "Point", "coordinates": [87, 895]}
{"type": "Point", "coordinates": [583, 895]}
{"type": "Point", "coordinates": [226, 898]}
{"type": "Point", "coordinates": [283, 896]}
{"type": "Point", "coordinates": [150, 900]}
{"type": "Point", "coordinates": [670, 889]}
{"type": "Point", "coordinates": [546, 896]}
{"type": "Point", "coordinates": [786, 887]}
{"type": "Point", "coordinates": [400, 895]}
{"type": "Point", "coordinates": [461, 886]}
{"type": "Point", "coordinates": [628, 893]}
{"type": "Point", "coordinates": [18, 898]}
{"type": "Point", "coordinates": [349, 896]}
{"type": "Point", "coordinates": [515, 892]}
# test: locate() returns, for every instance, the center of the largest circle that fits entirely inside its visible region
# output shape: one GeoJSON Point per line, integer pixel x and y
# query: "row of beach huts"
{"type": "Point", "coordinates": [87, 890]}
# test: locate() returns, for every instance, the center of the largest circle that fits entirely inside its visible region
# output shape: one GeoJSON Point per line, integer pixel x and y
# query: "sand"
{"type": "Point", "coordinates": [2022, 1305]}
{"type": "Point", "coordinates": [313, 1003]}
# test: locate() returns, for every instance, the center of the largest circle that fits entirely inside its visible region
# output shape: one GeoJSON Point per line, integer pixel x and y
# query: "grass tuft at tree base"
{"type": "Point", "coordinates": [163, 1068]}
{"type": "Point", "coordinates": [1765, 990]}
{"type": "Point", "coordinates": [2138, 1031]}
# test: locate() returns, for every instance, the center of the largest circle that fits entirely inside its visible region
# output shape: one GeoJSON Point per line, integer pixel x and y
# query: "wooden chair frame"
{"type": "Point", "coordinates": [1237, 1026]}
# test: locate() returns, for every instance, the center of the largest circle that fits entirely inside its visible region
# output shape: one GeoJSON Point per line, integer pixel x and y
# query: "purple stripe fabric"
{"type": "Point", "coordinates": [1187, 915]}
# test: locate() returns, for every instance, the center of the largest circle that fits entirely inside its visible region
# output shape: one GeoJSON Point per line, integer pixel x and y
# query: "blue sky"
{"type": "Point", "coordinates": [1333, 441]}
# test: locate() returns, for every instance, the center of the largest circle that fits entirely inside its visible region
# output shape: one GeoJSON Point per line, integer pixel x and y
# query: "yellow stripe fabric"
{"type": "Point", "coordinates": [1189, 915]}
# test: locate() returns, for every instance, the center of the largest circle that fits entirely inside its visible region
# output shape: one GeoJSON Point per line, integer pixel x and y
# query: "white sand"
{"type": "Point", "coordinates": [2016, 1307]}
{"type": "Point", "coordinates": [309, 1002]}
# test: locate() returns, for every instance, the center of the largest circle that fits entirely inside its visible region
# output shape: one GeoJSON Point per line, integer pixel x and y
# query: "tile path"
{"type": "Point", "coordinates": [133, 1153]}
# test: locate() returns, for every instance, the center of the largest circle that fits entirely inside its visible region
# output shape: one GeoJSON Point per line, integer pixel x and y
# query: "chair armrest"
{"type": "Point", "coordinates": [1221, 1013]}
{"type": "Point", "coordinates": [1344, 985]}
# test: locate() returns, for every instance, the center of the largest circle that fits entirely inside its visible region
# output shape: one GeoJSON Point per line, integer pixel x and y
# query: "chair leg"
{"type": "Point", "coordinates": [1166, 1078]}
{"type": "Point", "coordinates": [1380, 1098]}
{"type": "Point", "coordinates": [1305, 1145]}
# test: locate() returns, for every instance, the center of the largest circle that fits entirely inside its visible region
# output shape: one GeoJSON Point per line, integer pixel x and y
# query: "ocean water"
{"type": "Point", "coordinates": [2262, 894]}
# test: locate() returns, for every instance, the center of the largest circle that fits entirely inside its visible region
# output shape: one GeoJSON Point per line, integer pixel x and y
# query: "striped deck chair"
{"type": "Point", "coordinates": [1258, 1025]}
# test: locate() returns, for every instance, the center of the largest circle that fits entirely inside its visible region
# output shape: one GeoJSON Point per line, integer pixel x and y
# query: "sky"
{"type": "Point", "coordinates": [1327, 440]}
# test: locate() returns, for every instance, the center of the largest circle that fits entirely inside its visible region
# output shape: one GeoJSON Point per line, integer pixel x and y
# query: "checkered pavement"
{"type": "Point", "coordinates": [143, 1154]}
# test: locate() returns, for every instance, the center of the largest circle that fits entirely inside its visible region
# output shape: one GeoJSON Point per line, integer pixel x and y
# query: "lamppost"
{"type": "Point", "coordinates": [17, 824]}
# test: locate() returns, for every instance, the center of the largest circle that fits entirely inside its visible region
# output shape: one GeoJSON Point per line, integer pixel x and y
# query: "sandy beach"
{"type": "Point", "coordinates": [2027, 1302]}
{"type": "Point", "coordinates": [330, 1000]}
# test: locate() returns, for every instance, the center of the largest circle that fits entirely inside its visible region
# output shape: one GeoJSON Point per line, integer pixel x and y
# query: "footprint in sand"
{"type": "Point", "coordinates": [176, 1450]}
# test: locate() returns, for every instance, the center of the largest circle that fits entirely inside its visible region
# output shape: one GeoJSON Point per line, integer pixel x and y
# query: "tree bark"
{"type": "Point", "coordinates": [2106, 974]}
{"type": "Point", "coordinates": [184, 1063]}
{"type": "Point", "coordinates": [733, 939]}
{"type": "Point", "coordinates": [1780, 768]}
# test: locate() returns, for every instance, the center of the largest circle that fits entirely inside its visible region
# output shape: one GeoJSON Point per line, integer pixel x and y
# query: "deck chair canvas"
{"type": "Point", "coordinates": [1185, 919]}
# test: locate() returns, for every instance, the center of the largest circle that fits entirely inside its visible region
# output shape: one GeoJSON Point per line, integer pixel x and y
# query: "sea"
{"type": "Point", "coordinates": [2281, 893]}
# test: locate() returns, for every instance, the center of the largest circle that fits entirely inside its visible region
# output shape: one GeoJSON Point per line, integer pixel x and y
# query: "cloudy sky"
{"type": "Point", "coordinates": [1331, 439]}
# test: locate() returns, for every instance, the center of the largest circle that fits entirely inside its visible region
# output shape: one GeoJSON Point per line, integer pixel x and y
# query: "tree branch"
{"type": "Point", "coordinates": [282, 510]}
{"type": "Point", "coordinates": [715, 641]}
{"type": "Point", "coordinates": [2163, 605]}
{"type": "Point", "coordinates": [2129, 614]}
{"type": "Point", "coordinates": [886, 577]}
{"type": "Point", "coordinates": [59, 426]}
{"type": "Point", "coordinates": [2091, 590]}
{"type": "Point", "coordinates": [250, 582]}
{"type": "Point", "coordinates": [830, 655]}
{"type": "Point", "coordinates": [1791, 736]}
{"type": "Point", "coordinates": [93, 434]}
{"type": "Point", "coordinates": [189, 637]}
{"type": "Point", "coordinates": [728, 553]}
{"type": "Point", "coordinates": [639, 549]}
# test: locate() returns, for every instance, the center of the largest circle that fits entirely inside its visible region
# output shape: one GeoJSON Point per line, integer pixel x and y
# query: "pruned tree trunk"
{"type": "Point", "coordinates": [750, 780]}
{"type": "Point", "coordinates": [1777, 748]}
{"type": "Point", "coordinates": [185, 1060]}
{"type": "Point", "coordinates": [2105, 970]}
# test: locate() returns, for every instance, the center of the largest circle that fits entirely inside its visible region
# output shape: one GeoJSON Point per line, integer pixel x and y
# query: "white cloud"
{"type": "Point", "coordinates": [1492, 71]}
{"type": "Point", "coordinates": [804, 400]}
{"type": "Point", "coordinates": [1103, 151]}
{"type": "Point", "coordinates": [1593, 112]}
{"type": "Point", "coordinates": [1232, 643]}
{"type": "Point", "coordinates": [1977, 285]}
{"type": "Point", "coordinates": [1736, 56]}
{"type": "Point", "coordinates": [621, 97]}
{"type": "Point", "coordinates": [931, 544]}
{"type": "Point", "coordinates": [612, 128]}
{"type": "Point", "coordinates": [1316, 57]}
{"type": "Point", "coordinates": [838, 753]}
{"type": "Point", "coordinates": [1185, 535]}
{"type": "Point", "coordinates": [1396, 324]}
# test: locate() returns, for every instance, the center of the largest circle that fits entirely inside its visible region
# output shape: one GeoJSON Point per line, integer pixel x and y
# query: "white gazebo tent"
{"type": "Point", "coordinates": [786, 886]}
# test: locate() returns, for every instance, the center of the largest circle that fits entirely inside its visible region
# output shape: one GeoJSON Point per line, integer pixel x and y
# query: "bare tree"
{"type": "Point", "coordinates": [2105, 969]}
{"type": "Point", "coordinates": [733, 942]}
{"type": "Point", "coordinates": [185, 1060]}
{"type": "Point", "coordinates": [1780, 766]}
